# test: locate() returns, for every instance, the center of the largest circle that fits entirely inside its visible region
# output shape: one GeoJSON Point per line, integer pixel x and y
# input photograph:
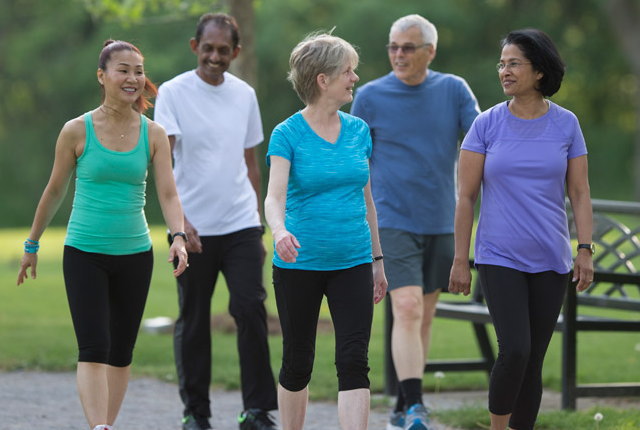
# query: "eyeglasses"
{"type": "Point", "coordinates": [509, 66]}
{"type": "Point", "coordinates": [407, 49]}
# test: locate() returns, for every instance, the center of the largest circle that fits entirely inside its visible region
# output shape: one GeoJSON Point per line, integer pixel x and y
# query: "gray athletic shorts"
{"type": "Point", "coordinates": [417, 259]}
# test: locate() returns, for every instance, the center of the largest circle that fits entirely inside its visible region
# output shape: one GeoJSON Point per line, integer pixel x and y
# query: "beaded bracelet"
{"type": "Point", "coordinates": [31, 246]}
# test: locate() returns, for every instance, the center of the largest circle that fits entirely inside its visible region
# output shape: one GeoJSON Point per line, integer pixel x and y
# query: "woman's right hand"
{"type": "Point", "coordinates": [29, 260]}
{"type": "Point", "coordinates": [460, 278]}
{"type": "Point", "coordinates": [286, 245]}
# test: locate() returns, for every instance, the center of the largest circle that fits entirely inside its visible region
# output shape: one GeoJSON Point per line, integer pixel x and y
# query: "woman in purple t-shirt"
{"type": "Point", "coordinates": [524, 153]}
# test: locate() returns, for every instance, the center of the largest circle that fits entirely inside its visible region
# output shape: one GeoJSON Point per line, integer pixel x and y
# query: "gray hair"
{"type": "Point", "coordinates": [318, 53]}
{"type": "Point", "coordinates": [427, 29]}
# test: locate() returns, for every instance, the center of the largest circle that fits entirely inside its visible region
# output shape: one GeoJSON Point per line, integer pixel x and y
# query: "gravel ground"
{"type": "Point", "coordinates": [35, 400]}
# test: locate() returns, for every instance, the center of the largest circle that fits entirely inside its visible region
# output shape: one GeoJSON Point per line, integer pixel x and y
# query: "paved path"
{"type": "Point", "coordinates": [35, 400]}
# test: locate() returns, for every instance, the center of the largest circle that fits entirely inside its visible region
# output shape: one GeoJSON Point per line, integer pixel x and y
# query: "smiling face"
{"type": "Point", "coordinates": [215, 52]}
{"type": "Point", "coordinates": [340, 86]}
{"type": "Point", "coordinates": [123, 78]}
{"type": "Point", "coordinates": [518, 77]}
{"type": "Point", "coordinates": [410, 68]}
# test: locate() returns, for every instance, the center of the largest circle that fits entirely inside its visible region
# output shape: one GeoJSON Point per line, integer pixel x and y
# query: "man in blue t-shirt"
{"type": "Point", "coordinates": [417, 116]}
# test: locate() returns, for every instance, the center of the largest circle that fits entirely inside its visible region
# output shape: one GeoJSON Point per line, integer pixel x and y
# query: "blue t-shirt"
{"type": "Point", "coordinates": [415, 131]}
{"type": "Point", "coordinates": [523, 221]}
{"type": "Point", "coordinates": [325, 209]}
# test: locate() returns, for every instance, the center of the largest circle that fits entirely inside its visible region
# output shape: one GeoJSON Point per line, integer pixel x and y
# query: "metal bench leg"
{"type": "Point", "coordinates": [390, 377]}
{"type": "Point", "coordinates": [569, 340]}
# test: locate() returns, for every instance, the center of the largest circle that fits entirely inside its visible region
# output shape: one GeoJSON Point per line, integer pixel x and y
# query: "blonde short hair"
{"type": "Point", "coordinates": [427, 29]}
{"type": "Point", "coordinates": [318, 53]}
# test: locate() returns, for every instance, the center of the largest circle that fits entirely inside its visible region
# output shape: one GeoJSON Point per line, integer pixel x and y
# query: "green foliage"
{"type": "Point", "coordinates": [48, 56]}
{"type": "Point", "coordinates": [129, 12]}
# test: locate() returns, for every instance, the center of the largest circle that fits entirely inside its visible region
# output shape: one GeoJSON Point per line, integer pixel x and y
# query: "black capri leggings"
{"type": "Point", "coordinates": [107, 295]}
{"type": "Point", "coordinates": [524, 308]}
{"type": "Point", "coordinates": [349, 294]}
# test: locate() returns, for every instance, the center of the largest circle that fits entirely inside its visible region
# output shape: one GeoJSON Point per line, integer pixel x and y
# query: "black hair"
{"type": "Point", "coordinates": [538, 48]}
{"type": "Point", "coordinates": [221, 20]}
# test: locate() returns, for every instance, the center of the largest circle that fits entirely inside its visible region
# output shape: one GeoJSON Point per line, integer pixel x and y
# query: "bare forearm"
{"type": "Point", "coordinates": [47, 208]}
{"type": "Point", "coordinates": [274, 213]}
{"type": "Point", "coordinates": [582, 215]}
{"type": "Point", "coordinates": [463, 226]}
{"type": "Point", "coordinates": [172, 213]}
{"type": "Point", "coordinates": [372, 220]}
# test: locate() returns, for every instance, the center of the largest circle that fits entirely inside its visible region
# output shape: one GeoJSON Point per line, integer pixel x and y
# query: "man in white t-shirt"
{"type": "Point", "coordinates": [213, 122]}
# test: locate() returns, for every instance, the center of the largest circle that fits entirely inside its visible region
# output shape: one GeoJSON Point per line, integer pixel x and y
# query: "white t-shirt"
{"type": "Point", "coordinates": [212, 125]}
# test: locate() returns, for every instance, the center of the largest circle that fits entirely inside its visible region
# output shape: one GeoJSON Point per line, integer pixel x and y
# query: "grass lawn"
{"type": "Point", "coordinates": [36, 333]}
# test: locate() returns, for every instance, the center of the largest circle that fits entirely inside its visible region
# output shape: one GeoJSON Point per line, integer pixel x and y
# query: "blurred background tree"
{"type": "Point", "coordinates": [49, 50]}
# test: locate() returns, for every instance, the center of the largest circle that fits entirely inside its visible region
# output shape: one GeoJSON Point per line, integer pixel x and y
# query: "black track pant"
{"type": "Point", "coordinates": [107, 295]}
{"type": "Point", "coordinates": [524, 308]}
{"type": "Point", "coordinates": [239, 257]}
{"type": "Point", "coordinates": [299, 295]}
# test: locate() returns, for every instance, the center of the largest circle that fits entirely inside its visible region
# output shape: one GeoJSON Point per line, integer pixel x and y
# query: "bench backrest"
{"type": "Point", "coordinates": [616, 262]}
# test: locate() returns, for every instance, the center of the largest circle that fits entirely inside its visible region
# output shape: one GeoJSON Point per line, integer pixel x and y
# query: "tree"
{"type": "Point", "coordinates": [624, 16]}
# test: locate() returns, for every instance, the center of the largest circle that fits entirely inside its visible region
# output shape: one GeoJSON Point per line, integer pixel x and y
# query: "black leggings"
{"type": "Point", "coordinates": [524, 308]}
{"type": "Point", "coordinates": [349, 294]}
{"type": "Point", "coordinates": [107, 295]}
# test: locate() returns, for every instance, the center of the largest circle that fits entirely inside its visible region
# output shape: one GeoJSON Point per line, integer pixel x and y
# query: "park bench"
{"type": "Point", "coordinates": [616, 286]}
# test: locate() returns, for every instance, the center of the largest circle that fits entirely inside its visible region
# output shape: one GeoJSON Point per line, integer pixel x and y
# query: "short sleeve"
{"type": "Point", "coordinates": [255, 134]}
{"type": "Point", "coordinates": [475, 139]}
{"type": "Point", "coordinates": [577, 146]}
{"type": "Point", "coordinates": [280, 144]}
{"type": "Point", "coordinates": [163, 112]}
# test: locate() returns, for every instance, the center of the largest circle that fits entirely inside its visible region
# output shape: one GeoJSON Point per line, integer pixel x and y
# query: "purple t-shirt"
{"type": "Point", "coordinates": [523, 221]}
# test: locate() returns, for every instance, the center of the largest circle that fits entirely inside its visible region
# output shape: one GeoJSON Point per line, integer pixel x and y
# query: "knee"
{"type": "Point", "coordinates": [247, 310]}
{"type": "Point", "coordinates": [120, 358]}
{"type": "Point", "coordinates": [352, 365]}
{"type": "Point", "coordinates": [515, 357]}
{"type": "Point", "coordinates": [407, 309]}
{"type": "Point", "coordinates": [295, 374]}
{"type": "Point", "coordinates": [93, 355]}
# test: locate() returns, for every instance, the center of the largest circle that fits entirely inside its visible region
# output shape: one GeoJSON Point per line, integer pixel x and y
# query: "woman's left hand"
{"type": "Point", "coordinates": [379, 282]}
{"type": "Point", "coordinates": [583, 270]}
{"type": "Point", "coordinates": [178, 250]}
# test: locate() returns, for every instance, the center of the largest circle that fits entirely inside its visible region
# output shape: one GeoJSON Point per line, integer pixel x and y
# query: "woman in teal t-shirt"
{"type": "Point", "coordinates": [107, 260]}
{"type": "Point", "coordinates": [325, 231]}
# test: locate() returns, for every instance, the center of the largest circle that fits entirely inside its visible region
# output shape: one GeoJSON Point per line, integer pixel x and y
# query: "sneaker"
{"type": "Point", "coordinates": [417, 418]}
{"type": "Point", "coordinates": [396, 421]}
{"type": "Point", "coordinates": [256, 419]}
{"type": "Point", "coordinates": [191, 422]}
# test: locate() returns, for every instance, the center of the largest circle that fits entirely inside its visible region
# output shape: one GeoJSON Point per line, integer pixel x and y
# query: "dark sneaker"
{"type": "Point", "coordinates": [256, 419]}
{"type": "Point", "coordinates": [191, 422]}
{"type": "Point", "coordinates": [417, 418]}
{"type": "Point", "coordinates": [396, 421]}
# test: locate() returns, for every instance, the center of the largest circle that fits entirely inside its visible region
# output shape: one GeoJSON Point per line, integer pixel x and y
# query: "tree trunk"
{"type": "Point", "coordinates": [624, 16]}
{"type": "Point", "coordinates": [245, 66]}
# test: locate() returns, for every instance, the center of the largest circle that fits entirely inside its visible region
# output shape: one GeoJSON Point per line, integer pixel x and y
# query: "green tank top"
{"type": "Point", "coordinates": [108, 206]}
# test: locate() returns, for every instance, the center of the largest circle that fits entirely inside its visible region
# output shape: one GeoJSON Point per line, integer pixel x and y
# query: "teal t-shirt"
{"type": "Point", "coordinates": [325, 209]}
{"type": "Point", "coordinates": [108, 206]}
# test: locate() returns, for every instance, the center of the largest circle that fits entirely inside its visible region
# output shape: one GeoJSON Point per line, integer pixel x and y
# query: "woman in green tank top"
{"type": "Point", "coordinates": [107, 257]}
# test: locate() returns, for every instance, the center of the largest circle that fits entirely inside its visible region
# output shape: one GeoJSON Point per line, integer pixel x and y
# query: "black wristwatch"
{"type": "Point", "coordinates": [182, 234]}
{"type": "Point", "coordinates": [590, 246]}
